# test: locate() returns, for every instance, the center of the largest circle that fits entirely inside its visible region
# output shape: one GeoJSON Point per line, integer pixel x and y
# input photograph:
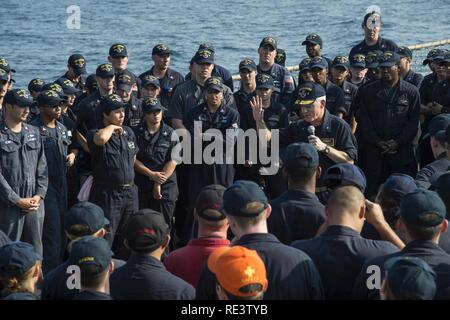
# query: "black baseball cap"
{"type": "Point", "coordinates": [209, 202]}
{"type": "Point", "coordinates": [248, 64]}
{"type": "Point", "coordinates": [373, 59]}
{"type": "Point", "coordinates": [264, 81]}
{"type": "Point", "coordinates": [35, 84]}
{"type": "Point", "coordinates": [433, 53]}
{"type": "Point", "coordinates": [48, 98]}
{"type": "Point", "coordinates": [388, 59]}
{"type": "Point", "coordinates": [397, 185]}
{"type": "Point", "coordinates": [91, 251]}
{"type": "Point", "coordinates": [55, 87]}
{"type": "Point", "coordinates": [84, 219]}
{"type": "Point", "coordinates": [341, 61]}
{"type": "Point", "coordinates": [318, 62]}
{"type": "Point", "coordinates": [91, 82]}
{"type": "Point", "coordinates": [78, 63]}
{"type": "Point", "coordinates": [203, 56]}
{"type": "Point", "coordinates": [437, 126]}
{"type": "Point", "coordinates": [105, 70]}
{"type": "Point", "coordinates": [443, 55]}
{"type": "Point", "coordinates": [151, 104]}
{"type": "Point", "coordinates": [17, 258]}
{"type": "Point", "coordinates": [118, 50]}
{"type": "Point", "coordinates": [111, 102]}
{"type": "Point", "coordinates": [410, 278]}
{"type": "Point", "coordinates": [300, 155]}
{"type": "Point", "coordinates": [125, 80]}
{"type": "Point", "coordinates": [145, 230]}
{"type": "Point", "coordinates": [304, 64]}
{"type": "Point", "coordinates": [206, 45]}
{"type": "Point", "coordinates": [308, 92]}
{"type": "Point", "coordinates": [4, 64]}
{"type": "Point", "coordinates": [214, 83]}
{"type": "Point", "coordinates": [403, 51]}
{"type": "Point", "coordinates": [161, 49]}
{"type": "Point", "coordinates": [67, 86]}
{"type": "Point", "coordinates": [18, 97]}
{"type": "Point", "coordinates": [344, 174]}
{"type": "Point", "coordinates": [150, 80]}
{"type": "Point", "coordinates": [244, 199]}
{"type": "Point", "coordinates": [415, 205]}
{"type": "Point", "coordinates": [268, 41]}
{"type": "Point", "coordinates": [280, 57]}
{"type": "Point", "coordinates": [312, 38]}
{"type": "Point", "coordinates": [358, 60]}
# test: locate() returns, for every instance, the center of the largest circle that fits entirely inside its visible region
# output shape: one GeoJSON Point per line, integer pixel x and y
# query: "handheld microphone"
{"type": "Point", "coordinates": [312, 130]}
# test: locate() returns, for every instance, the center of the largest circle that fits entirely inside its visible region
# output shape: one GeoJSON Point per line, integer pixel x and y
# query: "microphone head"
{"type": "Point", "coordinates": [311, 130]}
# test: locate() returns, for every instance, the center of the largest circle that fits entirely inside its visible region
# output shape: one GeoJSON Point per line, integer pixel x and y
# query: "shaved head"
{"type": "Point", "coordinates": [348, 199]}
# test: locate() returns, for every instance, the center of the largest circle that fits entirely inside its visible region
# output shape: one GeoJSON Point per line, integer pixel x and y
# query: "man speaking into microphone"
{"type": "Point", "coordinates": [330, 135]}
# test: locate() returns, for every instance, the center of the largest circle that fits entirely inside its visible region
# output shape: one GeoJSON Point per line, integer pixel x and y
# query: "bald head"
{"type": "Point", "coordinates": [345, 203]}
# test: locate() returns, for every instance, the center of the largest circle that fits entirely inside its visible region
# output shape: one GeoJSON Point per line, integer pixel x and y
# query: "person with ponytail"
{"type": "Point", "coordinates": [20, 271]}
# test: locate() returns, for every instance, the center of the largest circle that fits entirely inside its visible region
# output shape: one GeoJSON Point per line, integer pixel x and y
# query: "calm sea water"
{"type": "Point", "coordinates": [36, 40]}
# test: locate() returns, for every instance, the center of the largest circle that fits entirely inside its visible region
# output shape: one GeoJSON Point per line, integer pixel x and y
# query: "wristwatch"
{"type": "Point", "coordinates": [326, 150]}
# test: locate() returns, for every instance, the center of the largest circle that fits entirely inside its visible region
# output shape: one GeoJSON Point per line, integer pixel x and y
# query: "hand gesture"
{"type": "Point", "coordinates": [257, 108]}
{"type": "Point", "coordinates": [374, 213]}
